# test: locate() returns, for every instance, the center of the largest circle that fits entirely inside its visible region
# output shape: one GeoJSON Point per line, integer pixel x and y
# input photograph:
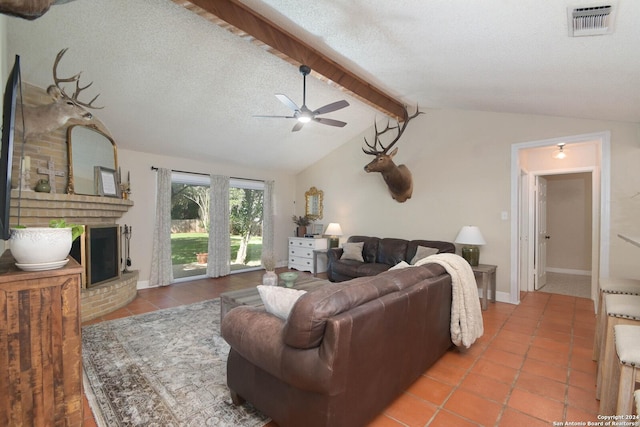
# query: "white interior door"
{"type": "Point", "coordinates": [523, 232]}
{"type": "Point", "coordinates": [541, 233]}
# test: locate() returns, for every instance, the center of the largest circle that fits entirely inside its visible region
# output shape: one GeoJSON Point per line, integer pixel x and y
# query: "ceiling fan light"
{"type": "Point", "coordinates": [304, 118]}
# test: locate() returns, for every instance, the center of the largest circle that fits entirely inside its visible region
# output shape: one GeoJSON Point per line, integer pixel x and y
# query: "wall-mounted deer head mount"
{"type": "Point", "coordinates": [398, 178]}
{"type": "Point", "coordinates": [28, 9]}
{"type": "Point", "coordinates": [43, 119]}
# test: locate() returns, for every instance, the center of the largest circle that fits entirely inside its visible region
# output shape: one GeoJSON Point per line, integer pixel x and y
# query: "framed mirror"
{"type": "Point", "coordinates": [87, 148]}
{"type": "Point", "coordinates": [313, 207]}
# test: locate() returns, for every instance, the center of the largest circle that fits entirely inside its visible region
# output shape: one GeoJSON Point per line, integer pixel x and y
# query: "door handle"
{"type": "Point", "coordinates": [547, 237]}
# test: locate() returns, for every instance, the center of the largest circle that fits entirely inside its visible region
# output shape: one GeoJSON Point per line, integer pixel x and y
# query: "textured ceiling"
{"type": "Point", "coordinates": [176, 84]}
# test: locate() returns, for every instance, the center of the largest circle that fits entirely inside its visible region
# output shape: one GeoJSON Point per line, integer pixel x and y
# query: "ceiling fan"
{"type": "Point", "coordinates": [304, 114]}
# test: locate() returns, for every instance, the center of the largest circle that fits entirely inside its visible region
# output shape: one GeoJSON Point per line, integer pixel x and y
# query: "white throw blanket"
{"type": "Point", "coordinates": [466, 313]}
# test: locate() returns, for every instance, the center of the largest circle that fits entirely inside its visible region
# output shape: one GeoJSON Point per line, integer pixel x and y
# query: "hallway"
{"type": "Point", "coordinates": [568, 284]}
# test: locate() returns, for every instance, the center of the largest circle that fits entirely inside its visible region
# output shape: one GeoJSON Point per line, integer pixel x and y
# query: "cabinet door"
{"type": "Point", "coordinates": [40, 352]}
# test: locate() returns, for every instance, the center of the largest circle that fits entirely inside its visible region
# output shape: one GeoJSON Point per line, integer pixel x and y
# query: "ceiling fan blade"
{"type": "Point", "coordinates": [297, 127]}
{"type": "Point", "coordinates": [287, 101]}
{"type": "Point", "coordinates": [329, 122]}
{"type": "Point", "coordinates": [332, 107]}
{"type": "Point", "coordinates": [275, 117]}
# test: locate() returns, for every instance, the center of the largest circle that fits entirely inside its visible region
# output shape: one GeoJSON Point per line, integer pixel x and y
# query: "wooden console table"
{"type": "Point", "coordinates": [40, 345]}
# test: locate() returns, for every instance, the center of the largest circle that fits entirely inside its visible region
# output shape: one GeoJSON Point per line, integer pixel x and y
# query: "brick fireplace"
{"type": "Point", "coordinates": [37, 209]}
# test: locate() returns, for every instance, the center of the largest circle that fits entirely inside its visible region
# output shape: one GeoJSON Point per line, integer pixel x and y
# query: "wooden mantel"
{"type": "Point", "coordinates": [37, 209]}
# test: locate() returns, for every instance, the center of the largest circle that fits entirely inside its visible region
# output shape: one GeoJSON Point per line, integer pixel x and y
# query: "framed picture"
{"type": "Point", "coordinates": [106, 181]}
{"type": "Point", "coordinates": [317, 229]}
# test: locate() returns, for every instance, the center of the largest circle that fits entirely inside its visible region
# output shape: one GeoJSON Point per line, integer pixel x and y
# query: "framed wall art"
{"type": "Point", "coordinates": [106, 181]}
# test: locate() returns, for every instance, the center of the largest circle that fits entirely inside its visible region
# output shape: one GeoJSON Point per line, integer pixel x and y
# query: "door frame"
{"type": "Point", "coordinates": [530, 190]}
{"type": "Point", "coordinates": [540, 252]}
{"type": "Point", "coordinates": [521, 212]}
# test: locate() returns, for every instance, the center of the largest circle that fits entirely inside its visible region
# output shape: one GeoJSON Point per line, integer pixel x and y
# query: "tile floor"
{"type": "Point", "coordinates": [531, 368]}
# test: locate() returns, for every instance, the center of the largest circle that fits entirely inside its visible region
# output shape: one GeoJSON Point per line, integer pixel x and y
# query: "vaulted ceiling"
{"type": "Point", "coordinates": [175, 83]}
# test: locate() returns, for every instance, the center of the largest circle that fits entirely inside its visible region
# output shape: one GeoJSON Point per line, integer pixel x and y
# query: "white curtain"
{"type": "Point", "coordinates": [219, 262]}
{"type": "Point", "coordinates": [267, 218]}
{"type": "Point", "coordinates": [161, 268]}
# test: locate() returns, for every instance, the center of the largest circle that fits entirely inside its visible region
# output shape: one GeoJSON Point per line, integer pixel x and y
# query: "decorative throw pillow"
{"type": "Point", "coordinates": [400, 265]}
{"type": "Point", "coordinates": [352, 251]}
{"type": "Point", "coordinates": [423, 252]}
{"type": "Point", "coordinates": [279, 301]}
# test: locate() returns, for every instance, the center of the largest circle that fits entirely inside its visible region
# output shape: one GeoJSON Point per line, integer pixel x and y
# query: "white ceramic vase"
{"type": "Point", "coordinates": [40, 245]}
{"type": "Point", "coordinates": [270, 278]}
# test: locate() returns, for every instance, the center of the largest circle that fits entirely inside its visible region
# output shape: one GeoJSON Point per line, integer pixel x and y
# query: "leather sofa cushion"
{"type": "Point", "coordinates": [371, 269]}
{"type": "Point", "coordinates": [347, 267]}
{"type": "Point", "coordinates": [353, 268]}
{"type": "Point", "coordinates": [443, 247]}
{"type": "Point", "coordinates": [306, 324]}
{"type": "Point", "coordinates": [370, 249]}
{"type": "Point", "coordinates": [391, 251]}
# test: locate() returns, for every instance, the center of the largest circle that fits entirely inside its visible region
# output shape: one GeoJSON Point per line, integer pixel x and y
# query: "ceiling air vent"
{"type": "Point", "coordinates": [593, 20]}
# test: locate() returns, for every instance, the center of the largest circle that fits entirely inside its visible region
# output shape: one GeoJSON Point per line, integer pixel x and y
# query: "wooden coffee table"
{"type": "Point", "coordinates": [250, 296]}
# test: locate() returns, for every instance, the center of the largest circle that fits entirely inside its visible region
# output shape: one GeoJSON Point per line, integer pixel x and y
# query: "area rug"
{"type": "Point", "coordinates": [166, 368]}
{"type": "Point", "coordinates": [568, 284]}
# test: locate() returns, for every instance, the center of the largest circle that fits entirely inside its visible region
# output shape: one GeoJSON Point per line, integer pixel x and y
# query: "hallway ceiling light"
{"type": "Point", "coordinates": [560, 153]}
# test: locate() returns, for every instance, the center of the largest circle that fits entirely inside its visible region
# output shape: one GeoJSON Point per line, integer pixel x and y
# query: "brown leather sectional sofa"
{"type": "Point", "coordinates": [346, 351]}
{"type": "Point", "coordinates": [379, 254]}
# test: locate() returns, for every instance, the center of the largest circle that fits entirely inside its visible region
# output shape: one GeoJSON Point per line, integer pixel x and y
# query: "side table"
{"type": "Point", "coordinates": [487, 275]}
{"type": "Point", "coordinates": [315, 259]}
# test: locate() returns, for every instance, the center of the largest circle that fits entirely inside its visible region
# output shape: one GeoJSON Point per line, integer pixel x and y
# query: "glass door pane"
{"type": "Point", "coordinates": [245, 216]}
{"type": "Point", "coordinates": [189, 225]}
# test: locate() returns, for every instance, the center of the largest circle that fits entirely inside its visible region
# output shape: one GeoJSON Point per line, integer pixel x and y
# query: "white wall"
{"type": "Point", "coordinates": [460, 162]}
{"type": "Point", "coordinates": [143, 184]}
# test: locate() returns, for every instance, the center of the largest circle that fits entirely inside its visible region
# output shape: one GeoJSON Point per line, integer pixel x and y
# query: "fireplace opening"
{"type": "Point", "coordinates": [98, 251]}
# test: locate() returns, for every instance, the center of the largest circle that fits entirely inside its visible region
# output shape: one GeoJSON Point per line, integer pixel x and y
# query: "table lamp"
{"type": "Point", "coordinates": [470, 237]}
{"type": "Point", "coordinates": [334, 232]}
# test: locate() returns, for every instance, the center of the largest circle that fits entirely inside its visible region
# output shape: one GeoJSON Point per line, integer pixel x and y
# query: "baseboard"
{"type": "Point", "coordinates": [500, 296]}
{"type": "Point", "coordinates": [144, 284]}
{"type": "Point", "coordinates": [569, 271]}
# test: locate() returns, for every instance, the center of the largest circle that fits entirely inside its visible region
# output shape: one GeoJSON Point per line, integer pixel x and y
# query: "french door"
{"type": "Point", "coordinates": [190, 219]}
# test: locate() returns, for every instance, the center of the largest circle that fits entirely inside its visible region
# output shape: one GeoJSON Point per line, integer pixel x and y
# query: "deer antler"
{"type": "Point", "coordinates": [383, 150]}
{"type": "Point", "coordinates": [75, 78]}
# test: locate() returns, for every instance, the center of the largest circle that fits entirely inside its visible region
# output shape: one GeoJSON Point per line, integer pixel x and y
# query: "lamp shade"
{"type": "Point", "coordinates": [333, 229]}
{"type": "Point", "coordinates": [470, 235]}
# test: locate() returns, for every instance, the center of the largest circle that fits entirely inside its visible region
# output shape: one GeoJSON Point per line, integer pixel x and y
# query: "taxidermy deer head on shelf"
{"type": "Point", "coordinates": [398, 178]}
{"type": "Point", "coordinates": [28, 9]}
{"type": "Point", "coordinates": [43, 119]}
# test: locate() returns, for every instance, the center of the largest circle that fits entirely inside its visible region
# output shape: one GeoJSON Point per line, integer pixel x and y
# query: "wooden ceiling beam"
{"type": "Point", "coordinates": [244, 22]}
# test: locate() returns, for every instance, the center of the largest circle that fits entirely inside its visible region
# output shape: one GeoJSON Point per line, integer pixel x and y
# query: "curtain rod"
{"type": "Point", "coordinates": [154, 168]}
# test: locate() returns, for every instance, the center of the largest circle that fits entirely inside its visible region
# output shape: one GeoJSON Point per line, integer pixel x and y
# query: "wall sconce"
{"type": "Point", "coordinates": [560, 153]}
{"type": "Point", "coordinates": [334, 232]}
{"type": "Point", "coordinates": [470, 237]}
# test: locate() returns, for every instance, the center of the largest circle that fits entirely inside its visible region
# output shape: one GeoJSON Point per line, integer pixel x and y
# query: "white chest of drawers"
{"type": "Point", "coordinates": [301, 254]}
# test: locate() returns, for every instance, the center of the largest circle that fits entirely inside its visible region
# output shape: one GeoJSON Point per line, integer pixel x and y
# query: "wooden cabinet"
{"type": "Point", "coordinates": [40, 346]}
{"type": "Point", "coordinates": [301, 254]}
